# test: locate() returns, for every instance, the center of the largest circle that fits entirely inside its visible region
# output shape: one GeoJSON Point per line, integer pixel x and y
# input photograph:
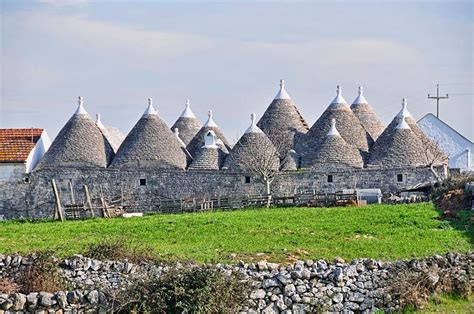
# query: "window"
{"type": "Point", "coordinates": [399, 177]}
{"type": "Point", "coordinates": [247, 179]}
{"type": "Point", "coordinates": [330, 178]}
{"type": "Point", "coordinates": [142, 182]}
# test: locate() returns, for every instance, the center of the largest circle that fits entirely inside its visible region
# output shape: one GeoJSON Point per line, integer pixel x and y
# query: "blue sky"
{"type": "Point", "coordinates": [228, 56]}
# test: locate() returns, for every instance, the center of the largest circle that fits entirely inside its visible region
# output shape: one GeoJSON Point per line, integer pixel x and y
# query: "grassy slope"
{"type": "Point", "coordinates": [377, 231]}
{"type": "Point", "coordinates": [450, 304]}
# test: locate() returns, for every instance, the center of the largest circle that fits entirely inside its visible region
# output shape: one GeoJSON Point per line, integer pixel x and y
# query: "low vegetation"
{"type": "Point", "coordinates": [42, 275]}
{"type": "Point", "coordinates": [414, 288]}
{"type": "Point", "coordinates": [278, 234]}
{"type": "Point", "coordinates": [184, 290]}
{"type": "Point", "coordinates": [449, 303]}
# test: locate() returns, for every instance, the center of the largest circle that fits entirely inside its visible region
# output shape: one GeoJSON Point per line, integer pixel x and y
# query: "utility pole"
{"type": "Point", "coordinates": [437, 97]}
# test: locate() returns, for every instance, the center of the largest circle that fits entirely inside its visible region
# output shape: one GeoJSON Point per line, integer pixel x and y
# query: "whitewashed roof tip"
{"type": "Point", "coordinates": [333, 131]}
{"type": "Point", "coordinates": [360, 99]}
{"type": "Point", "coordinates": [282, 94]}
{"type": "Point", "coordinates": [150, 109]}
{"type": "Point", "coordinates": [176, 134]}
{"type": "Point", "coordinates": [253, 128]}
{"type": "Point", "coordinates": [80, 107]}
{"type": "Point", "coordinates": [403, 125]}
{"type": "Point", "coordinates": [210, 121]}
{"type": "Point", "coordinates": [404, 112]}
{"type": "Point", "coordinates": [99, 122]}
{"type": "Point", "coordinates": [339, 99]}
{"type": "Point", "coordinates": [188, 113]}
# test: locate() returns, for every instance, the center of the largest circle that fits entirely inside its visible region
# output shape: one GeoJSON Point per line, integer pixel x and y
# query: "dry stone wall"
{"type": "Point", "coordinates": [362, 286]}
{"type": "Point", "coordinates": [33, 197]}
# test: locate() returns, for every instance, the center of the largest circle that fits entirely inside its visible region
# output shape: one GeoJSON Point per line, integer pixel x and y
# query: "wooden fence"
{"type": "Point", "coordinates": [115, 206]}
{"type": "Point", "coordinates": [231, 203]}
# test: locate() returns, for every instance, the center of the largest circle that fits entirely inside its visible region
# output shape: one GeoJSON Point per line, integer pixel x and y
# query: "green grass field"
{"type": "Point", "coordinates": [448, 304]}
{"type": "Point", "coordinates": [377, 231]}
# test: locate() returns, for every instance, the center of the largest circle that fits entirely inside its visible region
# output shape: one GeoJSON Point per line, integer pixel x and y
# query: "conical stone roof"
{"type": "Point", "coordinates": [426, 143]}
{"type": "Point", "coordinates": [198, 140]}
{"type": "Point", "coordinates": [177, 135]}
{"type": "Point", "coordinates": [290, 162]}
{"type": "Point", "coordinates": [187, 124]}
{"type": "Point", "coordinates": [80, 143]}
{"type": "Point", "coordinates": [210, 156]}
{"type": "Point", "coordinates": [113, 135]}
{"type": "Point", "coordinates": [347, 123]}
{"type": "Point", "coordinates": [400, 147]}
{"type": "Point", "coordinates": [335, 151]}
{"type": "Point", "coordinates": [367, 116]}
{"type": "Point", "coordinates": [150, 144]}
{"type": "Point", "coordinates": [254, 147]}
{"type": "Point", "coordinates": [282, 122]}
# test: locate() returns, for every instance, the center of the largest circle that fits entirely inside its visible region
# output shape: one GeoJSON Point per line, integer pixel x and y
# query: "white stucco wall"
{"type": "Point", "coordinates": [37, 152]}
{"type": "Point", "coordinates": [459, 149]}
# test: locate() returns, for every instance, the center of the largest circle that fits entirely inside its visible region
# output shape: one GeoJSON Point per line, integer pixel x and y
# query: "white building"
{"type": "Point", "coordinates": [20, 151]}
{"type": "Point", "coordinates": [459, 149]}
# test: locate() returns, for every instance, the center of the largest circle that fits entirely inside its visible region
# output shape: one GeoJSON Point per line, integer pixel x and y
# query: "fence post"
{"type": "Point", "coordinates": [58, 211]}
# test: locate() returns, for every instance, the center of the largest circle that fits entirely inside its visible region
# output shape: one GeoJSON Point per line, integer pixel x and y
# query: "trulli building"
{"type": "Point", "coordinates": [346, 148]}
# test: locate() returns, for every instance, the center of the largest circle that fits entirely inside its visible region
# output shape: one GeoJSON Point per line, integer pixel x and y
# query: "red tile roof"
{"type": "Point", "coordinates": [16, 144]}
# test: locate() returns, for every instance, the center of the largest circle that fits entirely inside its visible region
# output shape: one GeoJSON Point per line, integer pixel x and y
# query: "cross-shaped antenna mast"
{"type": "Point", "coordinates": [437, 97]}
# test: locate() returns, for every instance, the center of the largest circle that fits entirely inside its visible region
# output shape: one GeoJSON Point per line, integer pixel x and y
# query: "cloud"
{"type": "Point", "coordinates": [106, 40]}
{"type": "Point", "coordinates": [63, 2]}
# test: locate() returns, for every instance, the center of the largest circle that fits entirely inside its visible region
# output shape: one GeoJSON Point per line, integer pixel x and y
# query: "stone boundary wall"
{"type": "Point", "coordinates": [361, 286]}
{"type": "Point", "coordinates": [35, 199]}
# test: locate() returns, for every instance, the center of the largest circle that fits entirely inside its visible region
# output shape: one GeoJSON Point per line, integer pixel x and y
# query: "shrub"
{"type": "Point", "coordinates": [117, 249]}
{"type": "Point", "coordinates": [201, 289]}
{"type": "Point", "coordinates": [454, 182]}
{"type": "Point", "coordinates": [8, 286]}
{"type": "Point", "coordinates": [414, 288]}
{"type": "Point", "coordinates": [41, 275]}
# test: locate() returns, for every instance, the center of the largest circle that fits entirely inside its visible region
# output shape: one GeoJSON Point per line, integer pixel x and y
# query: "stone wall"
{"type": "Point", "coordinates": [305, 286]}
{"type": "Point", "coordinates": [11, 171]}
{"type": "Point", "coordinates": [35, 199]}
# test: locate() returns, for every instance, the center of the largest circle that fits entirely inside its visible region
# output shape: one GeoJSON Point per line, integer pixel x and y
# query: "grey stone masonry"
{"type": "Point", "coordinates": [427, 147]}
{"type": "Point", "coordinates": [253, 150]}
{"type": "Point", "coordinates": [290, 162]}
{"type": "Point", "coordinates": [401, 147]}
{"type": "Point", "coordinates": [283, 124]}
{"type": "Point", "coordinates": [80, 143]}
{"type": "Point", "coordinates": [208, 159]}
{"type": "Point", "coordinates": [150, 144]}
{"type": "Point", "coordinates": [198, 140]}
{"type": "Point", "coordinates": [336, 151]}
{"type": "Point", "coordinates": [347, 124]}
{"type": "Point", "coordinates": [361, 286]}
{"type": "Point", "coordinates": [368, 119]}
{"type": "Point", "coordinates": [35, 198]}
{"type": "Point", "coordinates": [187, 127]}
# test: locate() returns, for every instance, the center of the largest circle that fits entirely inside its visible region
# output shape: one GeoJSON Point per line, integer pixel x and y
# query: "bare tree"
{"type": "Point", "coordinates": [434, 156]}
{"type": "Point", "coordinates": [260, 158]}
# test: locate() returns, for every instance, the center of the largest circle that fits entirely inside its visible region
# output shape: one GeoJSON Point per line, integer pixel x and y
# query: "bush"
{"type": "Point", "coordinates": [117, 249]}
{"type": "Point", "coordinates": [415, 288]}
{"type": "Point", "coordinates": [201, 289]}
{"type": "Point", "coordinates": [8, 286]}
{"type": "Point", "coordinates": [455, 182]}
{"type": "Point", "coordinates": [41, 275]}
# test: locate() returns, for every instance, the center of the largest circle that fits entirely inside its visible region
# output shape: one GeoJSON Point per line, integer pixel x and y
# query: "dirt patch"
{"type": "Point", "coordinates": [452, 202]}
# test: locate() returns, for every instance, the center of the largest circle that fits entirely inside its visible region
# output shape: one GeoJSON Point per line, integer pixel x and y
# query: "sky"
{"type": "Point", "coordinates": [229, 56]}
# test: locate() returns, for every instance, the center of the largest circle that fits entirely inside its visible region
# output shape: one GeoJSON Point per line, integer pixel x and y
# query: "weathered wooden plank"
{"type": "Point", "coordinates": [58, 212]}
